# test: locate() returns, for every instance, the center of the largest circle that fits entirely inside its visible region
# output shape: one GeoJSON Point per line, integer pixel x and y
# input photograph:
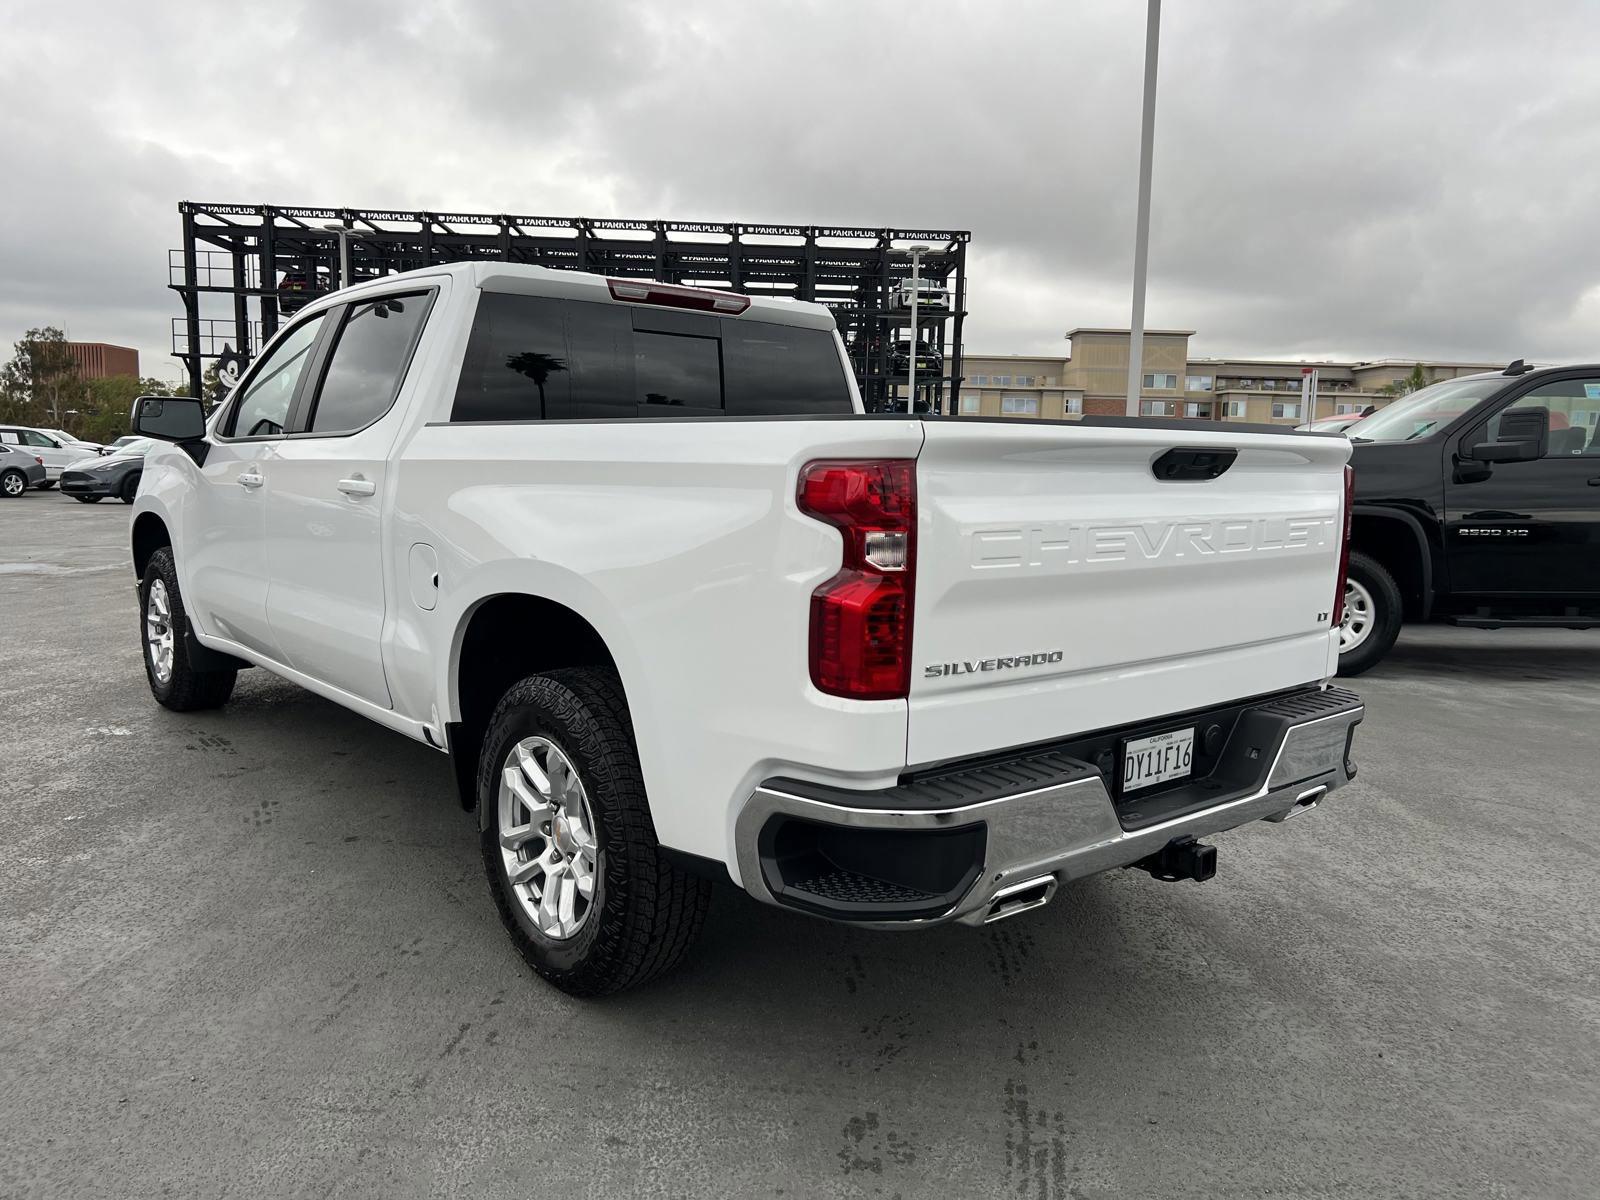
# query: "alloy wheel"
{"type": "Point", "coordinates": [14, 484]}
{"type": "Point", "coordinates": [158, 630]}
{"type": "Point", "coordinates": [547, 837]}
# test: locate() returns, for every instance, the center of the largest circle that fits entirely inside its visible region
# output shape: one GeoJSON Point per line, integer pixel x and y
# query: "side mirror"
{"type": "Point", "coordinates": [1524, 436]}
{"type": "Point", "coordinates": [169, 418]}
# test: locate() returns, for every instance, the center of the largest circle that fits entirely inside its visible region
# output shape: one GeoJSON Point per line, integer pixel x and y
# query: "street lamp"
{"type": "Point", "coordinates": [1141, 235]}
{"type": "Point", "coordinates": [345, 234]}
{"type": "Point", "coordinates": [911, 350]}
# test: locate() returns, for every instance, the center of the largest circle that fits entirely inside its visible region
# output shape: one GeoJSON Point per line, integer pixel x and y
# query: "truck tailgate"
{"type": "Point", "coordinates": [1061, 587]}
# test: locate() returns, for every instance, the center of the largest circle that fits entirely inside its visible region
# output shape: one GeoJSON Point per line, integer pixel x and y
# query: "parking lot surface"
{"type": "Point", "coordinates": [252, 953]}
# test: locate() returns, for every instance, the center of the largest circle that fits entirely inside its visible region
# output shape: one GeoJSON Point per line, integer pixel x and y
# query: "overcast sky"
{"type": "Point", "coordinates": [1354, 179]}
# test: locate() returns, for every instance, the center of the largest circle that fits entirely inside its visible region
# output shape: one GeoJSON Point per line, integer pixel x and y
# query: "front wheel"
{"type": "Point", "coordinates": [174, 681]}
{"type": "Point", "coordinates": [13, 484]}
{"type": "Point", "coordinates": [130, 489]}
{"type": "Point", "coordinates": [568, 843]}
{"type": "Point", "coordinates": [1373, 611]}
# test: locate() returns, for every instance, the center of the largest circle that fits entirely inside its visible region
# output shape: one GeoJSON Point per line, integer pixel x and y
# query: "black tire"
{"type": "Point", "coordinates": [13, 483]}
{"type": "Point", "coordinates": [88, 499]}
{"type": "Point", "coordinates": [1387, 615]}
{"type": "Point", "coordinates": [645, 912]}
{"type": "Point", "coordinates": [129, 488]}
{"type": "Point", "coordinates": [45, 486]}
{"type": "Point", "coordinates": [186, 690]}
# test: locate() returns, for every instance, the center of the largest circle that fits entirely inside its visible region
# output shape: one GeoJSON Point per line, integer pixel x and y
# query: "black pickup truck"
{"type": "Point", "coordinates": [1477, 502]}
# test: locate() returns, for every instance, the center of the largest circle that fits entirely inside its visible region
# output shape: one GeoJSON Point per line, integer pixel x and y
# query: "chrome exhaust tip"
{"type": "Point", "coordinates": [1020, 897]}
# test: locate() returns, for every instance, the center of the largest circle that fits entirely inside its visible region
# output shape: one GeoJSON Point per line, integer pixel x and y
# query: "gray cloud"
{"type": "Point", "coordinates": [1357, 178]}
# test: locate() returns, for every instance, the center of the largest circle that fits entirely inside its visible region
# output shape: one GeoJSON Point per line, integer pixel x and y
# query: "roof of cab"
{"type": "Point", "coordinates": [523, 279]}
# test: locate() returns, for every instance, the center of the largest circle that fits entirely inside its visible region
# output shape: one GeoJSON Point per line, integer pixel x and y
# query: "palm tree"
{"type": "Point", "coordinates": [537, 367]}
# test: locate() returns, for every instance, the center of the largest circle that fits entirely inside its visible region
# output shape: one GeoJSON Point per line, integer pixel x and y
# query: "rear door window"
{"type": "Point", "coordinates": [517, 367]}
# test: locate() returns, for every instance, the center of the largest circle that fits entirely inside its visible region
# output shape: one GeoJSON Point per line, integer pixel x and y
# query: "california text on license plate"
{"type": "Point", "coordinates": [1156, 759]}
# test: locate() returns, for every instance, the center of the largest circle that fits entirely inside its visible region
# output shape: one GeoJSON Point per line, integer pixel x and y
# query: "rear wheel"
{"type": "Point", "coordinates": [12, 484]}
{"type": "Point", "coordinates": [46, 485]}
{"type": "Point", "coordinates": [568, 843]}
{"type": "Point", "coordinates": [174, 682]}
{"type": "Point", "coordinates": [129, 489]}
{"type": "Point", "coordinates": [1373, 611]}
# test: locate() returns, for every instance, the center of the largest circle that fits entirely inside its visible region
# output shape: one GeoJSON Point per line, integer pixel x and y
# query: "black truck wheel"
{"type": "Point", "coordinates": [164, 628]}
{"type": "Point", "coordinates": [1373, 611]}
{"type": "Point", "coordinates": [567, 839]}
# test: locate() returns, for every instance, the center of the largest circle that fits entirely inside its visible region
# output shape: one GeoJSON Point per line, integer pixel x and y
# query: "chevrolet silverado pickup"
{"type": "Point", "coordinates": [631, 554]}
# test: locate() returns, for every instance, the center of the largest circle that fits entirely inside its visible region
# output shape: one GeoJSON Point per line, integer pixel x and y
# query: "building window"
{"type": "Point", "coordinates": [1233, 408]}
{"type": "Point", "coordinates": [1161, 380]}
{"type": "Point", "coordinates": [1022, 406]}
{"type": "Point", "coordinates": [1001, 380]}
{"type": "Point", "coordinates": [1155, 408]}
{"type": "Point", "coordinates": [1286, 408]}
{"type": "Point", "coordinates": [1197, 383]}
{"type": "Point", "coordinates": [980, 380]}
{"type": "Point", "coordinates": [969, 404]}
{"type": "Point", "coordinates": [1347, 409]}
{"type": "Point", "coordinates": [1196, 409]}
{"type": "Point", "coordinates": [1072, 404]}
{"type": "Point", "coordinates": [1026, 380]}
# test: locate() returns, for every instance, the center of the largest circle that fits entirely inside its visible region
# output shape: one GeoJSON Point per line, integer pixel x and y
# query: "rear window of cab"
{"type": "Point", "coordinates": [534, 358]}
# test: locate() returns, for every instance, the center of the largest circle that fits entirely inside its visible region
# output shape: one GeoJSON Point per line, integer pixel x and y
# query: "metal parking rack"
{"type": "Point", "coordinates": [282, 257]}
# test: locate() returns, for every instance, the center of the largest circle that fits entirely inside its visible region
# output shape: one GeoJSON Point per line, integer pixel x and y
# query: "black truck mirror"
{"type": "Point", "coordinates": [1524, 436]}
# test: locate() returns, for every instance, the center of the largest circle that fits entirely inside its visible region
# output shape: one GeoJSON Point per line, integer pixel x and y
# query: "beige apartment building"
{"type": "Point", "coordinates": [1093, 379]}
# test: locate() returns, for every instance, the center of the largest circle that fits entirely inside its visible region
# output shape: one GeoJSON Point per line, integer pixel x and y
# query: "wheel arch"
{"type": "Point", "coordinates": [492, 650]}
{"type": "Point", "coordinates": [1397, 540]}
{"type": "Point", "coordinates": [150, 533]}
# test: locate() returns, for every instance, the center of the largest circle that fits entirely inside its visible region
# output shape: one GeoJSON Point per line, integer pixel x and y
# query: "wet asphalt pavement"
{"type": "Point", "coordinates": [251, 953]}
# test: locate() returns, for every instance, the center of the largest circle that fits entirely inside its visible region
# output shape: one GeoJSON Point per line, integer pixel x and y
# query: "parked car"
{"type": "Point", "coordinates": [51, 450]}
{"type": "Point", "coordinates": [92, 479]}
{"type": "Point", "coordinates": [77, 443]}
{"type": "Point", "coordinates": [931, 295]}
{"type": "Point", "coordinates": [20, 470]}
{"type": "Point", "coordinates": [1477, 503]}
{"type": "Point", "coordinates": [893, 672]}
{"type": "Point", "coordinates": [299, 288]}
{"type": "Point", "coordinates": [929, 361]}
{"type": "Point", "coordinates": [125, 440]}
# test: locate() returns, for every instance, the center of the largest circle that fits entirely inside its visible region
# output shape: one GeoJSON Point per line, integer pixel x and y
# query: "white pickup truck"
{"type": "Point", "coordinates": [677, 610]}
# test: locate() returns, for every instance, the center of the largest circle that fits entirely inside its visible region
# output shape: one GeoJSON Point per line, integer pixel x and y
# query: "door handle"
{"type": "Point", "coordinates": [250, 479]}
{"type": "Point", "coordinates": [357, 486]}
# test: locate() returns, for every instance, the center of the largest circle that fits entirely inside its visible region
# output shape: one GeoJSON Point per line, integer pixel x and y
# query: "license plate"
{"type": "Point", "coordinates": [1156, 759]}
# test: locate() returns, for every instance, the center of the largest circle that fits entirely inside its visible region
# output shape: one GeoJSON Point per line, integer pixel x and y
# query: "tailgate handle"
{"type": "Point", "coordinates": [1198, 463]}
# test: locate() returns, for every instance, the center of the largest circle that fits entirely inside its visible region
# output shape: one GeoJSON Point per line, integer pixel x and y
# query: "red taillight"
{"type": "Point", "coordinates": [671, 295]}
{"type": "Point", "coordinates": [861, 618]}
{"type": "Point", "coordinates": [1344, 544]}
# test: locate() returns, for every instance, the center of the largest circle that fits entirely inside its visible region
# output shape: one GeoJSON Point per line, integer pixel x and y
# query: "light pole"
{"type": "Point", "coordinates": [1141, 236]}
{"type": "Point", "coordinates": [345, 234]}
{"type": "Point", "coordinates": [911, 357]}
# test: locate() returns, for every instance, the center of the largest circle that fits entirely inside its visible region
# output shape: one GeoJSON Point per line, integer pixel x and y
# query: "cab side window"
{"type": "Point", "coordinates": [31, 437]}
{"type": "Point", "coordinates": [1574, 406]}
{"type": "Point", "coordinates": [368, 362]}
{"type": "Point", "coordinates": [264, 406]}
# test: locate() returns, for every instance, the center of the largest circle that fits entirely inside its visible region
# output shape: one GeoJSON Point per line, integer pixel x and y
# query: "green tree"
{"type": "Point", "coordinates": [1404, 387]}
{"type": "Point", "coordinates": [40, 380]}
{"type": "Point", "coordinates": [104, 405]}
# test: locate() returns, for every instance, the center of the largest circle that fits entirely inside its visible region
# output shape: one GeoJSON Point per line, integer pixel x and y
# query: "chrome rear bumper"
{"type": "Point", "coordinates": [1042, 817]}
